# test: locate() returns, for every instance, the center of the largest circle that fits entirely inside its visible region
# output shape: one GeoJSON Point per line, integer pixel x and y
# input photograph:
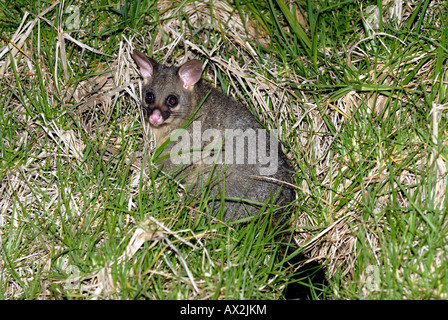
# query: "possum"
{"type": "Point", "coordinates": [208, 139]}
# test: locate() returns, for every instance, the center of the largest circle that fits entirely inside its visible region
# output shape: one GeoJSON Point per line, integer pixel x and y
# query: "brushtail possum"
{"type": "Point", "coordinates": [210, 139]}
{"type": "Point", "coordinates": [224, 143]}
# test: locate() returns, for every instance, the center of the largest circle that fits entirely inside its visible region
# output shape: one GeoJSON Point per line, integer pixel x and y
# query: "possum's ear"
{"type": "Point", "coordinates": [190, 73]}
{"type": "Point", "coordinates": [147, 66]}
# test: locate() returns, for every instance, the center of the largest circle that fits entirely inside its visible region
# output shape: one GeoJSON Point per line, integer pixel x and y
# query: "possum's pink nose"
{"type": "Point", "coordinates": [156, 117]}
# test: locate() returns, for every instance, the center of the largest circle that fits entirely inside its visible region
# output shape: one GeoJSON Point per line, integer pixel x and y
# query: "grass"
{"type": "Point", "coordinates": [359, 105]}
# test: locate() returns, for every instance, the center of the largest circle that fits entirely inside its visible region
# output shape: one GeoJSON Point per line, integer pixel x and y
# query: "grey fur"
{"type": "Point", "coordinates": [218, 112]}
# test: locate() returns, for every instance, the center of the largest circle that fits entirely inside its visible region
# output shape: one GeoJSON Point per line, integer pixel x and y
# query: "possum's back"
{"type": "Point", "coordinates": [264, 174]}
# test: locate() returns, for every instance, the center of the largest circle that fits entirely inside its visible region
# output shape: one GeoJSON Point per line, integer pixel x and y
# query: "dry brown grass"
{"type": "Point", "coordinates": [99, 94]}
{"type": "Point", "coordinates": [300, 124]}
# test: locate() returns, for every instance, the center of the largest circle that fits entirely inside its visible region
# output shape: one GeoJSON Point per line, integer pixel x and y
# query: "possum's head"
{"type": "Point", "coordinates": [166, 94]}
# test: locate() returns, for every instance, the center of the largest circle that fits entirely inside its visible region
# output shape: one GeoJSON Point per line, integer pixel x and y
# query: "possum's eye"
{"type": "Point", "coordinates": [171, 101]}
{"type": "Point", "coordinates": [149, 97]}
